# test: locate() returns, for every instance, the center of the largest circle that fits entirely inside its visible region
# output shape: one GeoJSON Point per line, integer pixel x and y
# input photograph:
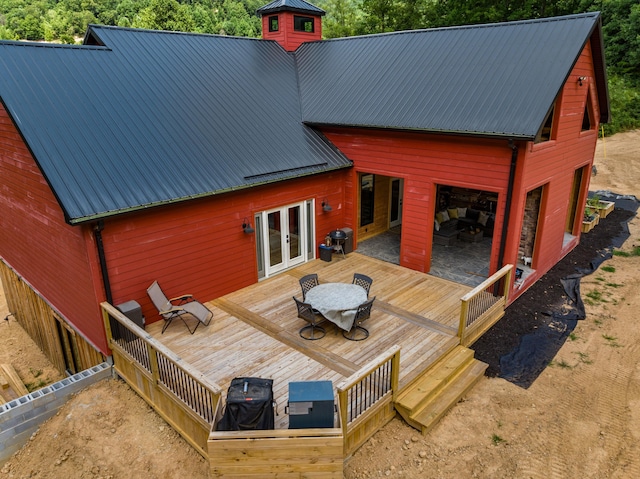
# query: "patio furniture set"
{"type": "Point", "coordinates": [346, 305]}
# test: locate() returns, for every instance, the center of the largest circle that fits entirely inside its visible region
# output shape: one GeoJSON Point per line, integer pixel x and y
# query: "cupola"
{"type": "Point", "coordinates": [291, 22]}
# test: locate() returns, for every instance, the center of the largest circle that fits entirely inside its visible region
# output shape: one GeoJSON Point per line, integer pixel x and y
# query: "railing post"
{"type": "Point", "coordinates": [464, 312]}
{"type": "Point", "coordinates": [507, 284]}
{"type": "Point", "coordinates": [342, 399]}
{"type": "Point", "coordinates": [107, 325]}
{"type": "Point", "coordinates": [153, 363]}
{"type": "Point", "coordinates": [395, 374]}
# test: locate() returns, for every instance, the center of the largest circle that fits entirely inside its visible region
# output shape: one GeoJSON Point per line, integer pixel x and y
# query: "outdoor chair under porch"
{"type": "Point", "coordinates": [178, 307]}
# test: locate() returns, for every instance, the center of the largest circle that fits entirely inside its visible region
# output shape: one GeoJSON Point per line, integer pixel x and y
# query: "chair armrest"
{"type": "Point", "coordinates": [184, 297]}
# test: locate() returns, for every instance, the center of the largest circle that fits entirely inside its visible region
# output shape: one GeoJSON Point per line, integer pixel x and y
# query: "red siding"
{"type": "Point", "coordinates": [34, 239]}
{"type": "Point", "coordinates": [199, 247]}
{"type": "Point", "coordinates": [552, 165]}
{"type": "Point", "coordinates": [286, 36]}
{"type": "Point", "coordinates": [424, 161]}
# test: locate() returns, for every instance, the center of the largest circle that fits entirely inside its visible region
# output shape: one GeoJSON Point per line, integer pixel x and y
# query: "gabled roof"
{"type": "Point", "coordinates": [495, 80]}
{"type": "Point", "coordinates": [158, 117]}
{"type": "Point", "coordinates": [139, 118]}
{"type": "Point", "coordinates": [299, 6]}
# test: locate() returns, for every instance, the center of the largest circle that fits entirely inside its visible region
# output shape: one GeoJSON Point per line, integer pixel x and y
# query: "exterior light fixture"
{"type": "Point", "coordinates": [581, 79]}
{"type": "Point", "coordinates": [246, 226]}
{"type": "Point", "coordinates": [326, 206]}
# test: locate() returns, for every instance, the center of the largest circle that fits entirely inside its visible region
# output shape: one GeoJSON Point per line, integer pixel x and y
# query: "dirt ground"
{"type": "Point", "coordinates": [578, 418]}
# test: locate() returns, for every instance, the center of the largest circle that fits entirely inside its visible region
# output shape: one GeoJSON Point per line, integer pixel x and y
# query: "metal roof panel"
{"type": "Point", "coordinates": [497, 79]}
{"type": "Point", "coordinates": [156, 117]}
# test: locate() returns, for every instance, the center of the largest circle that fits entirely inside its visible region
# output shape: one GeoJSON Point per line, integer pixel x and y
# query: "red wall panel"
{"type": "Point", "coordinates": [199, 247]}
{"type": "Point", "coordinates": [424, 161]}
{"type": "Point", "coordinates": [34, 239]}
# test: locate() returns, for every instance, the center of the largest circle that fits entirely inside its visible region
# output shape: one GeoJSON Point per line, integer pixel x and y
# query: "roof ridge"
{"type": "Point", "coordinates": [94, 26]}
{"type": "Point", "coordinates": [464, 27]}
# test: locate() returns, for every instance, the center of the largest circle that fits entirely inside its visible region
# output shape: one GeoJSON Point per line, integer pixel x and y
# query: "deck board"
{"type": "Point", "coordinates": [254, 332]}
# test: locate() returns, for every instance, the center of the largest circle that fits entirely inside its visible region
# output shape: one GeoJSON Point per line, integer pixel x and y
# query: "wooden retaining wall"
{"type": "Point", "coordinates": [64, 346]}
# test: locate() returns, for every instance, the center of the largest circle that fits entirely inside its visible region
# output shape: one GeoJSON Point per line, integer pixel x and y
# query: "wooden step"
{"type": "Point", "coordinates": [429, 416]}
{"type": "Point", "coordinates": [433, 381]}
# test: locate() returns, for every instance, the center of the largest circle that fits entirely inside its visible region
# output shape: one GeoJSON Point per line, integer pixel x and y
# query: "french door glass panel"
{"type": "Point", "coordinates": [285, 231]}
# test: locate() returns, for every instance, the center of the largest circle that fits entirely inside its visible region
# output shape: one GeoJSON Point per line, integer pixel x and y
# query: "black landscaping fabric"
{"type": "Point", "coordinates": [535, 326]}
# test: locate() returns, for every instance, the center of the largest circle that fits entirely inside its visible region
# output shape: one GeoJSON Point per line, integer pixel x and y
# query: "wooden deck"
{"type": "Point", "coordinates": [255, 330]}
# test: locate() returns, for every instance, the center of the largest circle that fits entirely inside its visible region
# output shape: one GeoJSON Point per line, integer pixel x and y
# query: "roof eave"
{"type": "Point", "coordinates": [475, 134]}
{"type": "Point", "coordinates": [109, 214]}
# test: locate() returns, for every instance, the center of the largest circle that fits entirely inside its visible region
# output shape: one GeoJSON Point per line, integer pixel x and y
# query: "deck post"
{"type": "Point", "coordinates": [464, 312]}
{"type": "Point", "coordinates": [153, 363]}
{"type": "Point", "coordinates": [107, 326]}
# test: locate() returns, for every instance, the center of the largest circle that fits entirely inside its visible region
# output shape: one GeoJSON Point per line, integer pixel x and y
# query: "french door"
{"type": "Point", "coordinates": [284, 236]}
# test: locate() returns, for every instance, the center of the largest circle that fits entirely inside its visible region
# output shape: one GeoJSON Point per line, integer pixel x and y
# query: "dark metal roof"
{"type": "Point", "coordinates": [139, 118]}
{"type": "Point", "coordinates": [158, 117]}
{"type": "Point", "coordinates": [496, 80]}
{"type": "Point", "coordinates": [299, 6]}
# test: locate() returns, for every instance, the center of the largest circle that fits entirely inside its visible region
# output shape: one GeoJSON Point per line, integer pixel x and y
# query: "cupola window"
{"type": "Point", "coordinates": [273, 23]}
{"type": "Point", "coordinates": [303, 24]}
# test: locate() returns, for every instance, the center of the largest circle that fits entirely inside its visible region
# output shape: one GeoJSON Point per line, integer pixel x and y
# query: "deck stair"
{"type": "Point", "coordinates": [430, 396]}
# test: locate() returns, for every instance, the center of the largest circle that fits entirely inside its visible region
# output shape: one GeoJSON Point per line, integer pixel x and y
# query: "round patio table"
{"type": "Point", "coordinates": [338, 302]}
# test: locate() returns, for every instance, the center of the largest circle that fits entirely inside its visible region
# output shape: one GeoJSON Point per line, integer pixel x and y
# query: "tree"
{"type": "Point", "coordinates": [165, 15]}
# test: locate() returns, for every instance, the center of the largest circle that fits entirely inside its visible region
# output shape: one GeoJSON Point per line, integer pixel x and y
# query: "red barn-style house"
{"type": "Point", "coordinates": [140, 155]}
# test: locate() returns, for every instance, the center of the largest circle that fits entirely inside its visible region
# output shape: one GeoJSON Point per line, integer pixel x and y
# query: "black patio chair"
{"type": "Point", "coordinates": [307, 282]}
{"type": "Point", "coordinates": [357, 332]}
{"type": "Point", "coordinates": [363, 280]}
{"type": "Point", "coordinates": [311, 331]}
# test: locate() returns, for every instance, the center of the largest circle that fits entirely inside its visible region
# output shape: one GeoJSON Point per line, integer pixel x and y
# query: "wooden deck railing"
{"type": "Point", "coordinates": [179, 393]}
{"type": "Point", "coordinates": [311, 452]}
{"type": "Point", "coordinates": [484, 305]}
{"type": "Point", "coordinates": [366, 398]}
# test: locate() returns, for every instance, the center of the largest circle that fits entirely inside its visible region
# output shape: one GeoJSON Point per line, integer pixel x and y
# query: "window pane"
{"type": "Point", "coordinates": [273, 24]}
{"type": "Point", "coordinates": [366, 199]}
{"type": "Point", "coordinates": [303, 24]}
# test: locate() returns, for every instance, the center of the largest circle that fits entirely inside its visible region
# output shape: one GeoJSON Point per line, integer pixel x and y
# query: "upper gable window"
{"type": "Point", "coordinates": [546, 133]}
{"type": "Point", "coordinates": [273, 23]}
{"type": "Point", "coordinates": [303, 24]}
{"type": "Point", "coordinates": [587, 118]}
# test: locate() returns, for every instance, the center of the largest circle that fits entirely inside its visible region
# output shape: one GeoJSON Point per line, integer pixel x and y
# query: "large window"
{"type": "Point", "coordinates": [303, 24]}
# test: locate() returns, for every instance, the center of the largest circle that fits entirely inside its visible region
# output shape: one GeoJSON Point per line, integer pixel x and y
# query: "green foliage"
{"type": "Point", "coordinates": [497, 440]}
{"type": "Point", "coordinates": [626, 254]}
{"type": "Point", "coordinates": [624, 97]}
